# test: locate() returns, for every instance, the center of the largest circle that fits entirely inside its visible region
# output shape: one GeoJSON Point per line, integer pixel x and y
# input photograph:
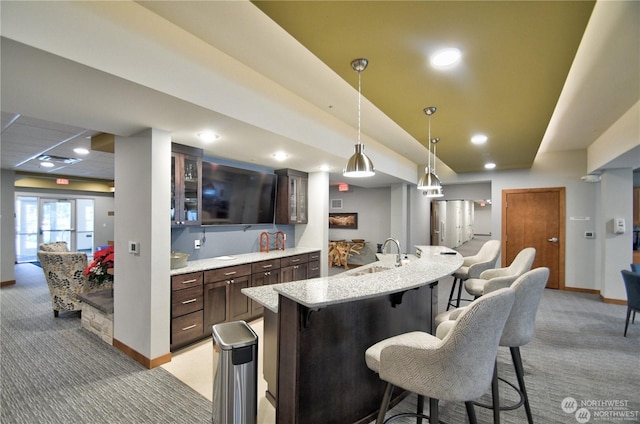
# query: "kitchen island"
{"type": "Point", "coordinates": [316, 332]}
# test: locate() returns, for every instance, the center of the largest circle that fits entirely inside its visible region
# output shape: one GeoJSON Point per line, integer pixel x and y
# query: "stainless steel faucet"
{"type": "Point", "coordinates": [384, 246]}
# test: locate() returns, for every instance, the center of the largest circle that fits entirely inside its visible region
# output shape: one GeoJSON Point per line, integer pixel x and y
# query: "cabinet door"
{"type": "Point", "coordinates": [262, 279]}
{"type": "Point", "coordinates": [302, 200]}
{"type": "Point", "coordinates": [186, 185]}
{"type": "Point", "coordinates": [215, 304]}
{"type": "Point", "coordinates": [294, 273]}
{"type": "Point", "coordinates": [239, 304]}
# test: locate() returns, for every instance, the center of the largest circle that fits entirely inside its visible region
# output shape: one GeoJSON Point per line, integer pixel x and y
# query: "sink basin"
{"type": "Point", "coordinates": [371, 270]}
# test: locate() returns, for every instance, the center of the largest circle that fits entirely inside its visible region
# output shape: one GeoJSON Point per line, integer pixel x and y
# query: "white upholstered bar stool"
{"type": "Point", "coordinates": [493, 279]}
{"type": "Point", "coordinates": [518, 331]}
{"type": "Point", "coordinates": [457, 368]}
{"type": "Point", "coordinates": [472, 267]}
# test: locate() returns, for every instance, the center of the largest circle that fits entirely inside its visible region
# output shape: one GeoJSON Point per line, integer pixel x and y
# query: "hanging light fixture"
{"type": "Point", "coordinates": [359, 165]}
{"type": "Point", "coordinates": [430, 182]}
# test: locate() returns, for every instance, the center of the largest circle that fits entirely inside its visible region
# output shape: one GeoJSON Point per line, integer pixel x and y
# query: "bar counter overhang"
{"type": "Point", "coordinates": [316, 332]}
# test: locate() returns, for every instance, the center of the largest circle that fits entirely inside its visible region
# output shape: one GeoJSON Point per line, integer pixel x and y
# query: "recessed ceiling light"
{"type": "Point", "coordinates": [280, 156]}
{"type": "Point", "coordinates": [489, 165]}
{"type": "Point", "coordinates": [81, 151]}
{"type": "Point", "coordinates": [208, 136]}
{"type": "Point", "coordinates": [479, 139]}
{"type": "Point", "coordinates": [47, 164]}
{"type": "Point", "coordinates": [445, 58]}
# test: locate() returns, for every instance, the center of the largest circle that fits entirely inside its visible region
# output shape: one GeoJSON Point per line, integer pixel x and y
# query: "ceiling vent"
{"type": "Point", "coordinates": [58, 159]}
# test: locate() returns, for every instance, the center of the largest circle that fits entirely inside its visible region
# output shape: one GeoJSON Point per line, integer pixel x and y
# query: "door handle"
{"type": "Point", "coordinates": [553, 239]}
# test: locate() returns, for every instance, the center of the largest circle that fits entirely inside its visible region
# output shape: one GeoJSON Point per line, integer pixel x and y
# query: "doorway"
{"type": "Point", "coordinates": [45, 220]}
{"type": "Point", "coordinates": [535, 218]}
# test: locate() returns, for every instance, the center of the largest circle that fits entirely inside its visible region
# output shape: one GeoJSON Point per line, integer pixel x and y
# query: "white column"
{"type": "Point", "coordinates": [316, 232]}
{"type": "Point", "coordinates": [616, 201]}
{"type": "Point", "coordinates": [142, 202]}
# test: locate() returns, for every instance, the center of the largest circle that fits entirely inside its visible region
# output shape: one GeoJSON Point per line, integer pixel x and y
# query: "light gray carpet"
{"type": "Point", "coordinates": [53, 371]}
{"type": "Point", "coordinates": [578, 351]}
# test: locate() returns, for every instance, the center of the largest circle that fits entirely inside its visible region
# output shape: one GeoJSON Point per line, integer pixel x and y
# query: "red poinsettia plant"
{"type": "Point", "coordinates": [97, 270]}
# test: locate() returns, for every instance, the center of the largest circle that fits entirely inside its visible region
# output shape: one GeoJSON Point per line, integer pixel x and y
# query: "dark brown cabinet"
{"type": "Point", "coordinates": [294, 268]}
{"type": "Point", "coordinates": [200, 300]}
{"type": "Point", "coordinates": [264, 273]}
{"type": "Point", "coordinates": [186, 308]}
{"type": "Point", "coordinates": [291, 200]}
{"type": "Point", "coordinates": [186, 185]}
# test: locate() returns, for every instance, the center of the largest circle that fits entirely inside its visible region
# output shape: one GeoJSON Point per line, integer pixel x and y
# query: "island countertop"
{"type": "Point", "coordinates": [359, 284]}
{"type": "Point", "coordinates": [239, 259]}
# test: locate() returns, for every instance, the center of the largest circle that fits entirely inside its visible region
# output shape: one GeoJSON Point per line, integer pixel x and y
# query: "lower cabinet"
{"type": "Point", "coordinates": [294, 268]}
{"type": "Point", "coordinates": [186, 308]}
{"type": "Point", "coordinates": [202, 299]}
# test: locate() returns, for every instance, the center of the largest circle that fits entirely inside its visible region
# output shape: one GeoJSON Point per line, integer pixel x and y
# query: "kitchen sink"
{"type": "Point", "coordinates": [371, 270]}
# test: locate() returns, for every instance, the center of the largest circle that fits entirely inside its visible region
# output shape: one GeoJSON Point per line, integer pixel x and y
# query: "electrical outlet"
{"type": "Point", "coordinates": [196, 244]}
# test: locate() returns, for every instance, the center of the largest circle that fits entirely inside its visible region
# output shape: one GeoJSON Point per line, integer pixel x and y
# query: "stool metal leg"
{"type": "Point", "coordinates": [517, 363]}
{"type": "Point", "coordinates": [420, 410]}
{"type": "Point", "coordinates": [433, 411]}
{"type": "Point", "coordinates": [459, 293]}
{"type": "Point", "coordinates": [471, 412]}
{"type": "Point", "coordinates": [495, 394]}
{"type": "Point", "coordinates": [453, 289]}
{"type": "Point", "coordinates": [385, 403]}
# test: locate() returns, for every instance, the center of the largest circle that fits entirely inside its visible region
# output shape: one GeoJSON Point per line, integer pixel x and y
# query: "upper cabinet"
{"type": "Point", "coordinates": [291, 201]}
{"type": "Point", "coordinates": [186, 185]}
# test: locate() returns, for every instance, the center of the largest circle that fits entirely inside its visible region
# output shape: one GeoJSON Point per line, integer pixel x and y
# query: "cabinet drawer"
{"type": "Point", "coordinates": [294, 260]}
{"type": "Point", "coordinates": [265, 265]}
{"type": "Point", "coordinates": [185, 281]}
{"type": "Point", "coordinates": [186, 301]}
{"type": "Point", "coordinates": [314, 269]}
{"type": "Point", "coordinates": [226, 273]}
{"type": "Point", "coordinates": [186, 328]}
{"type": "Point", "coordinates": [314, 256]}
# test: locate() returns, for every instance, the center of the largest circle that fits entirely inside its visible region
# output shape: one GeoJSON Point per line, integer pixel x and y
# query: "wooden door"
{"type": "Point", "coordinates": [535, 218]}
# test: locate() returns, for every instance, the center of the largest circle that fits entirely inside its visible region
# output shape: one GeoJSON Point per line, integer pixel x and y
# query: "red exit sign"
{"type": "Point", "coordinates": [62, 181]}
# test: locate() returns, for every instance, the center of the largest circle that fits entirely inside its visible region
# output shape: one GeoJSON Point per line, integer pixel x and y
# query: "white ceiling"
{"type": "Point", "coordinates": [146, 72]}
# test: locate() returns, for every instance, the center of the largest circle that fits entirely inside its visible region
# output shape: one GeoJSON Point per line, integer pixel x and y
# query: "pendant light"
{"type": "Point", "coordinates": [430, 182]}
{"type": "Point", "coordinates": [359, 165]}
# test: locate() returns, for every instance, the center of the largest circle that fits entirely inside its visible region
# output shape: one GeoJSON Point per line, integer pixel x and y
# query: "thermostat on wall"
{"type": "Point", "coordinates": [589, 234]}
{"type": "Point", "coordinates": [134, 247]}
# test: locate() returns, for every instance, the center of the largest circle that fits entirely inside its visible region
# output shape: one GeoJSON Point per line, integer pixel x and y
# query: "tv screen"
{"type": "Point", "coordinates": [236, 196]}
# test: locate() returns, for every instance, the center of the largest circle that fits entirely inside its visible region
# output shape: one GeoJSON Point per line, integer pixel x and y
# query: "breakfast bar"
{"type": "Point", "coordinates": [316, 332]}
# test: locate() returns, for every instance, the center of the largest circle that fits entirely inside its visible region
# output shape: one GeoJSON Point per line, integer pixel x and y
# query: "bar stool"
{"type": "Point", "coordinates": [518, 331]}
{"type": "Point", "coordinates": [493, 279]}
{"type": "Point", "coordinates": [472, 267]}
{"type": "Point", "coordinates": [457, 368]}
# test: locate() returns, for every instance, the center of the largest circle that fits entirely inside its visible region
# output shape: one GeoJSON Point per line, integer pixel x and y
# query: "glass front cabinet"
{"type": "Point", "coordinates": [291, 202]}
{"type": "Point", "coordinates": [186, 185]}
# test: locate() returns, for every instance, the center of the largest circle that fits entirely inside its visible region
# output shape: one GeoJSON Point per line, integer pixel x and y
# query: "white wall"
{"type": "Point", "coordinates": [374, 213]}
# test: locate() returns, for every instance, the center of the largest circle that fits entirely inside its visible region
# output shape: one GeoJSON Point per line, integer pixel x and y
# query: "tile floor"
{"type": "Point", "coordinates": [195, 366]}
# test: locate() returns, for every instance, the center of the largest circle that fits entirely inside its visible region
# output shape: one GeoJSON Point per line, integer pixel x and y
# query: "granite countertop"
{"type": "Point", "coordinates": [243, 258]}
{"type": "Point", "coordinates": [357, 284]}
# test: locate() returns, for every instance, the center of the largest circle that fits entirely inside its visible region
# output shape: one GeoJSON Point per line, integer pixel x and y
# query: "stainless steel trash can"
{"type": "Point", "coordinates": [235, 383]}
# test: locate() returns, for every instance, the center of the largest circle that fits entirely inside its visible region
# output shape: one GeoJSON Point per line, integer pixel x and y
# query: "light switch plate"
{"type": "Point", "coordinates": [196, 244]}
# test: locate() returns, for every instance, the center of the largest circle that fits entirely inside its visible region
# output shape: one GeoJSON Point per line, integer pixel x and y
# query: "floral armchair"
{"type": "Point", "coordinates": [55, 246]}
{"type": "Point", "coordinates": [64, 272]}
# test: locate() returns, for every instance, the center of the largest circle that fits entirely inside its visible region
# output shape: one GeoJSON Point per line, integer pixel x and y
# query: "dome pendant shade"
{"type": "Point", "coordinates": [359, 165]}
{"type": "Point", "coordinates": [429, 181]}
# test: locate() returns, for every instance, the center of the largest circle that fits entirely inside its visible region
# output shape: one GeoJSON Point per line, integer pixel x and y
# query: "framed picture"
{"type": "Point", "coordinates": [347, 221]}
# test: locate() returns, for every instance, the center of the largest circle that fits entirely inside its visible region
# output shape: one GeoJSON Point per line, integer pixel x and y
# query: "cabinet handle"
{"type": "Point", "coordinates": [189, 327]}
{"type": "Point", "coordinates": [267, 273]}
{"type": "Point", "coordinates": [315, 269]}
{"type": "Point", "coordinates": [267, 266]}
{"type": "Point", "coordinates": [189, 301]}
{"type": "Point", "coordinates": [189, 281]}
{"type": "Point", "coordinates": [230, 273]}
{"type": "Point", "coordinates": [295, 260]}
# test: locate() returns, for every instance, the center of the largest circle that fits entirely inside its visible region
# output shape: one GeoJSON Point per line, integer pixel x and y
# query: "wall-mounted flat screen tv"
{"type": "Point", "coordinates": [232, 196]}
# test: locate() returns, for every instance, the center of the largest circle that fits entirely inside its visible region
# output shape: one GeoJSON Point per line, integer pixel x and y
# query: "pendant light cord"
{"type": "Point", "coordinates": [359, 102]}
